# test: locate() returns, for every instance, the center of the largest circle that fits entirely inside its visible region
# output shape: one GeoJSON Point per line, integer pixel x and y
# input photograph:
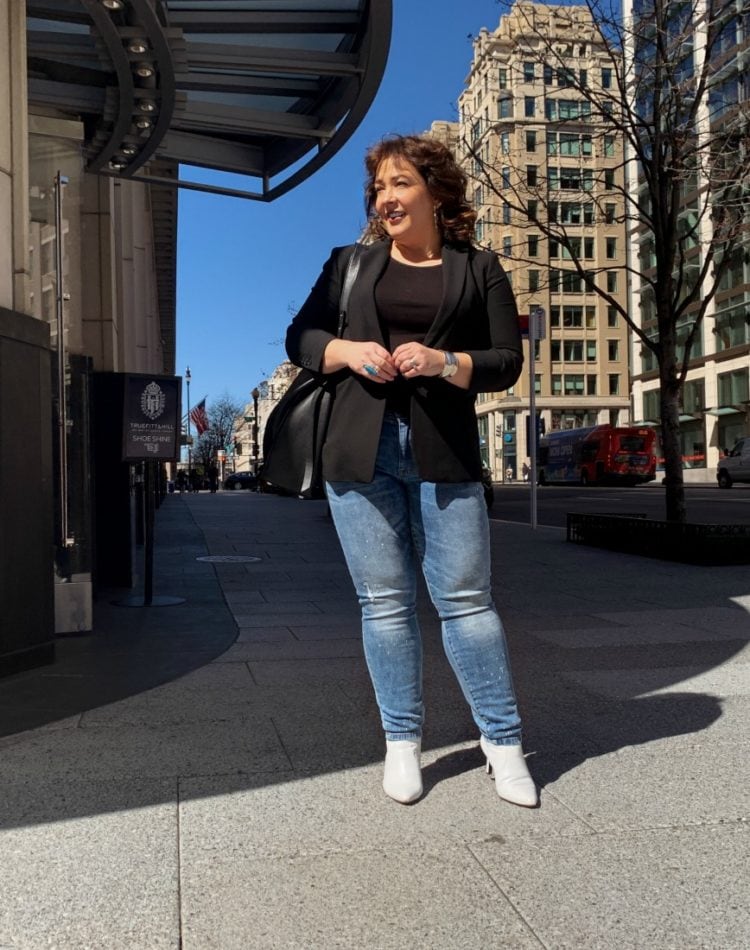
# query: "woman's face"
{"type": "Point", "coordinates": [404, 203]}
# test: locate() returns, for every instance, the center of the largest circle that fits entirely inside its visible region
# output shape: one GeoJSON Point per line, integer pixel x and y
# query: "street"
{"type": "Point", "coordinates": [705, 503]}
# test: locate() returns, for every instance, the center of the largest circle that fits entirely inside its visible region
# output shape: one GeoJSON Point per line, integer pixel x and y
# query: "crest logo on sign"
{"type": "Point", "coordinates": [153, 401]}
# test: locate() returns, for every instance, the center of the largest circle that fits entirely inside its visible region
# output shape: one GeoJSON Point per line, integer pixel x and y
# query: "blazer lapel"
{"type": "Point", "coordinates": [363, 314]}
{"type": "Point", "coordinates": [455, 264]}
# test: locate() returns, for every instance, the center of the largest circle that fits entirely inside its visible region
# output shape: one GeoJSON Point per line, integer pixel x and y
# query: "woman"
{"type": "Point", "coordinates": [431, 322]}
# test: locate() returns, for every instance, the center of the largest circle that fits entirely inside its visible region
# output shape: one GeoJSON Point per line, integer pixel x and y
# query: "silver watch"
{"type": "Point", "coordinates": [451, 365]}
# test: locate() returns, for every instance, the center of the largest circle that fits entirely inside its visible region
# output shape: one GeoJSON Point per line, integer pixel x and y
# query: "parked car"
{"type": "Point", "coordinates": [239, 480]}
{"type": "Point", "coordinates": [734, 467]}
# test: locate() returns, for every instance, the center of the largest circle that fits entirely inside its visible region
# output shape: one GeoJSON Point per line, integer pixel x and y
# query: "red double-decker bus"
{"type": "Point", "coordinates": [602, 454]}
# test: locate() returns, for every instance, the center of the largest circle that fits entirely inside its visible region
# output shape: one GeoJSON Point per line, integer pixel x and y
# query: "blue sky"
{"type": "Point", "coordinates": [243, 264]}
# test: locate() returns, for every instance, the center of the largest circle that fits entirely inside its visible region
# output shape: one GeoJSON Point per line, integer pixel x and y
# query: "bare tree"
{"type": "Point", "coordinates": [673, 97]}
{"type": "Point", "coordinates": [222, 418]}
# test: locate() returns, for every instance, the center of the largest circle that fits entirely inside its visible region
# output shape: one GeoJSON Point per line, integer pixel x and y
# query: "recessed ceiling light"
{"type": "Point", "coordinates": [128, 150]}
{"type": "Point", "coordinates": [113, 4]}
{"type": "Point", "coordinates": [137, 45]}
{"type": "Point", "coordinates": [147, 105]}
{"type": "Point", "coordinates": [143, 122]}
{"type": "Point", "coordinates": [117, 164]}
{"type": "Point", "coordinates": [144, 70]}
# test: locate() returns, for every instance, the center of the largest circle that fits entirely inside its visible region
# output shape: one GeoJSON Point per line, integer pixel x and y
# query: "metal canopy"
{"type": "Point", "coordinates": [246, 86]}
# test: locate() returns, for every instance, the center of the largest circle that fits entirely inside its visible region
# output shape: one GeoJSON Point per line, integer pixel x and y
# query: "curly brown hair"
{"type": "Point", "coordinates": [445, 181]}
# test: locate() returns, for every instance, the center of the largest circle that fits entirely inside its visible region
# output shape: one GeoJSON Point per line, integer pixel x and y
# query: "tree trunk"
{"type": "Point", "coordinates": [670, 441]}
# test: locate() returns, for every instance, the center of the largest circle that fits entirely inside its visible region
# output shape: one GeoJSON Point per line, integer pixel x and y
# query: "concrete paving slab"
{"type": "Point", "coordinates": [155, 751]}
{"type": "Point", "coordinates": [732, 622]}
{"type": "Point", "coordinates": [731, 679]}
{"type": "Point", "coordinates": [655, 631]}
{"type": "Point", "coordinates": [89, 865]}
{"type": "Point", "coordinates": [273, 816]}
{"type": "Point", "coordinates": [380, 898]}
{"type": "Point", "coordinates": [256, 650]}
{"type": "Point", "coordinates": [673, 888]}
{"type": "Point", "coordinates": [654, 787]}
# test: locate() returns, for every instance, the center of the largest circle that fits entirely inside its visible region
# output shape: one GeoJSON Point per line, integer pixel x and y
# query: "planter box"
{"type": "Point", "coordinates": [671, 541]}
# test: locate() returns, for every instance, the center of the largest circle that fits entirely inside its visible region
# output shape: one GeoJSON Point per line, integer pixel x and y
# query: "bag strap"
{"type": "Point", "coordinates": [352, 268]}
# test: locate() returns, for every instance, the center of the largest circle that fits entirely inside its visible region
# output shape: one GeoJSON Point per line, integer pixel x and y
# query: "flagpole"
{"type": "Point", "coordinates": [189, 436]}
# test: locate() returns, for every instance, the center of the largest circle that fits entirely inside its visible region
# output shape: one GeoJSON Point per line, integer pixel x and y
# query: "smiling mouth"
{"type": "Point", "coordinates": [394, 216]}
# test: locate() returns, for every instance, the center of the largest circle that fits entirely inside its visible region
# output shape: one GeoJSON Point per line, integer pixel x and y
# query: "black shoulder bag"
{"type": "Point", "coordinates": [297, 426]}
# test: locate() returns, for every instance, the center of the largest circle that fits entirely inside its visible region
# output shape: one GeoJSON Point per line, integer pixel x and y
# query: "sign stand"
{"type": "Point", "coordinates": [150, 434]}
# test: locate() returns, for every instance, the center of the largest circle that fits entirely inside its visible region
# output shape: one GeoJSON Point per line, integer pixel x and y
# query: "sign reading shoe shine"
{"type": "Point", "coordinates": [151, 421]}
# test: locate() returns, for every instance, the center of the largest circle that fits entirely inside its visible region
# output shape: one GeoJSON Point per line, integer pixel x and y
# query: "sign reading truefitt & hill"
{"type": "Point", "coordinates": [151, 423]}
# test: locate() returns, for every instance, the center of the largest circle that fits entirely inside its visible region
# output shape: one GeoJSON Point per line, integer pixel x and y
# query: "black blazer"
{"type": "Point", "coordinates": [477, 316]}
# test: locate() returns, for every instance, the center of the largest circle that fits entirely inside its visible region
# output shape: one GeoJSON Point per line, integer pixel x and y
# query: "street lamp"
{"type": "Point", "coordinates": [189, 436]}
{"type": "Point", "coordinates": [255, 393]}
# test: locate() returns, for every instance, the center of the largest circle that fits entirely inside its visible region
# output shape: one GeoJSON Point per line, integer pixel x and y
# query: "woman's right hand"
{"type": "Point", "coordinates": [368, 359]}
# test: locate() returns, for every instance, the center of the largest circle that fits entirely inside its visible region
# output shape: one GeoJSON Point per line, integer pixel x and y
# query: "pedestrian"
{"type": "Point", "coordinates": [509, 474]}
{"type": "Point", "coordinates": [431, 322]}
{"type": "Point", "coordinates": [525, 471]}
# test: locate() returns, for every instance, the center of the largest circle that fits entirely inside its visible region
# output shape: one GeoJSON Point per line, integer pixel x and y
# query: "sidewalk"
{"type": "Point", "coordinates": [208, 775]}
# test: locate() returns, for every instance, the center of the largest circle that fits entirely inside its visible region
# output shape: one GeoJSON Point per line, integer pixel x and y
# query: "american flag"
{"type": "Point", "coordinates": [199, 418]}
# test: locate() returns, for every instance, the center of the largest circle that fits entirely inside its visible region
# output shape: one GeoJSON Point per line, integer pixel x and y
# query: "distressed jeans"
{"type": "Point", "coordinates": [386, 527]}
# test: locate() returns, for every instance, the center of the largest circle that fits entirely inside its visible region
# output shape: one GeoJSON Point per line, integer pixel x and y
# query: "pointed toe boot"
{"type": "Point", "coordinates": [512, 780]}
{"type": "Point", "coordinates": [402, 777]}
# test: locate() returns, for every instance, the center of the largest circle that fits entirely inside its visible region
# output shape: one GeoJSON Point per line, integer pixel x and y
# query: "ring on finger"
{"type": "Point", "coordinates": [370, 369]}
{"type": "Point", "coordinates": [413, 363]}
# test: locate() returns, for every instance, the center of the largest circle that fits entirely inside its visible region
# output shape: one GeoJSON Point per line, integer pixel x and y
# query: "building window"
{"type": "Point", "coordinates": [609, 213]}
{"type": "Point", "coordinates": [507, 246]}
{"type": "Point", "coordinates": [556, 384]}
{"type": "Point", "coordinates": [611, 248]}
{"type": "Point", "coordinates": [528, 72]}
{"type": "Point", "coordinates": [588, 248]}
{"type": "Point", "coordinates": [547, 74]}
{"type": "Point", "coordinates": [573, 384]}
{"type": "Point", "coordinates": [609, 179]}
{"type": "Point", "coordinates": [479, 230]}
{"type": "Point", "coordinates": [573, 351]}
{"type": "Point", "coordinates": [505, 143]}
{"type": "Point", "coordinates": [505, 108]}
{"type": "Point", "coordinates": [614, 384]}
{"type": "Point", "coordinates": [609, 146]}
{"type": "Point", "coordinates": [505, 175]}
{"type": "Point", "coordinates": [537, 383]}
{"type": "Point", "coordinates": [606, 78]}
{"type": "Point", "coordinates": [530, 140]}
{"type": "Point", "coordinates": [733, 387]}
{"type": "Point", "coordinates": [531, 176]}
{"type": "Point", "coordinates": [533, 280]}
{"type": "Point", "coordinates": [531, 208]}
{"type": "Point", "coordinates": [583, 78]}
{"type": "Point", "coordinates": [590, 384]}
{"type": "Point", "coordinates": [533, 242]}
{"type": "Point", "coordinates": [554, 350]}
{"type": "Point", "coordinates": [529, 106]}
{"type": "Point", "coordinates": [612, 317]}
{"type": "Point", "coordinates": [612, 281]}
{"type": "Point", "coordinates": [591, 351]}
{"type": "Point", "coordinates": [506, 214]}
{"type": "Point", "coordinates": [590, 318]}
{"type": "Point", "coordinates": [478, 197]}
{"type": "Point", "coordinates": [502, 78]}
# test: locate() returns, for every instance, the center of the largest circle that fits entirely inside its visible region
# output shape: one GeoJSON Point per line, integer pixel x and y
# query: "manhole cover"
{"type": "Point", "coordinates": [228, 558]}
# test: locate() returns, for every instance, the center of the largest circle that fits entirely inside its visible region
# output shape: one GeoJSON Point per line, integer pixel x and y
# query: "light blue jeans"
{"type": "Point", "coordinates": [385, 527]}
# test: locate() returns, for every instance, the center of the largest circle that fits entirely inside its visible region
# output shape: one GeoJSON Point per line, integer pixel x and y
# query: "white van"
{"type": "Point", "coordinates": [734, 467]}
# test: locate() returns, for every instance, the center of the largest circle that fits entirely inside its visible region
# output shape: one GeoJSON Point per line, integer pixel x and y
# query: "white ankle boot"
{"type": "Point", "coordinates": [512, 780]}
{"type": "Point", "coordinates": [402, 778]}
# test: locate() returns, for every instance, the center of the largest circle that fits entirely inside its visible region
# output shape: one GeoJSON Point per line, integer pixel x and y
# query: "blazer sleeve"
{"type": "Point", "coordinates": [316, 322]}
{"type": "Point", "coordinates": [498, 366]}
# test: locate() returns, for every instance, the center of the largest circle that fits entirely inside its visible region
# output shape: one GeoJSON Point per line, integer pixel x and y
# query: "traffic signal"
{"type": "Point", "coordinates": [541, 428]}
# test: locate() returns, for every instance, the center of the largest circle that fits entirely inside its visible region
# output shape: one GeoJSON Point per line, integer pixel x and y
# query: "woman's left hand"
{"type": "Point", "coordinates": [414, 359]}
